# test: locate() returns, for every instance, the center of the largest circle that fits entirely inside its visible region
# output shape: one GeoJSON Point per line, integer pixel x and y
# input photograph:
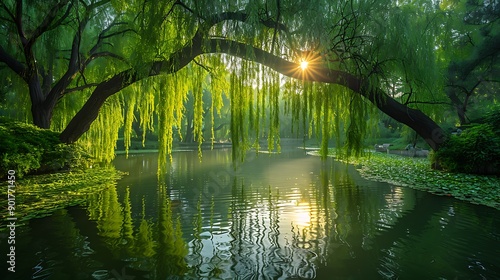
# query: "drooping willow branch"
{"type": "Point", "coordinates": [421, 123]}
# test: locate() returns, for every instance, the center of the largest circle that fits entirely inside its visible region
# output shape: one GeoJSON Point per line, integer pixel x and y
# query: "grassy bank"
{"type": "Point", "coordinates": [416, 173]}
{"type": "Point", "coordinates": [27, 149]}
{"type": "Point", "coordinates": [38, 196]}
{"type": "Point", "coordinates": [42, 174]}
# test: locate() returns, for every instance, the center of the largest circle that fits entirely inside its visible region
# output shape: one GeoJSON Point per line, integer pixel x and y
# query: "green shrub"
{"type": "Point", "coordinates": [476, 150]}
{"type": "Point", "coordinates": [493, 118]}
{"type": "Point", "coordinates": [28, 149]}
{"type": "Point", "coordinates": [63, 157]}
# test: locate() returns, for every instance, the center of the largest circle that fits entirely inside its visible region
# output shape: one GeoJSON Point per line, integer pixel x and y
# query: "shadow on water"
{"type": "Point", "coordinates": [287, 216]}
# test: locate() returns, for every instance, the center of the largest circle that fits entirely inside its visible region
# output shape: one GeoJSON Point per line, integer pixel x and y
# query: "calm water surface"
{"type": "Point", "coordinates": [287, 216]}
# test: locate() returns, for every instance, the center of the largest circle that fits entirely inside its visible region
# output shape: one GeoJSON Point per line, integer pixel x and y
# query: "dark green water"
{"type": "Point", "coordinates": [287, 216]}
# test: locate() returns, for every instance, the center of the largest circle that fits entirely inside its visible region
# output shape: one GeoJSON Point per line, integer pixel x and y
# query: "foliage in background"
{"type": "Point", "coordinates": [28, 149]}
{"type": "Point", "coordinates": [475, 150]}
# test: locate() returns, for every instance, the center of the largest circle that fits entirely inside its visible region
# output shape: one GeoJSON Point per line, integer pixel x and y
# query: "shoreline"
{"type": "Point", "coordinates": [417, 174]}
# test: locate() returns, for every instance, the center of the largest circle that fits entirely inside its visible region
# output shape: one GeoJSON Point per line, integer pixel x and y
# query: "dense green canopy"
{"type": "Point", "coordinates": [69, 64]}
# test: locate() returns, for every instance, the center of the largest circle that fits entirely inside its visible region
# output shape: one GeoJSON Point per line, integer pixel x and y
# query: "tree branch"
{"type": "Point", "coordinates": [202, 66]}
{"type": "Point", "coordinates": [44, 25]}
{"type": "Point", "coordinates": [420, 122]}
{"type": "Point", "coordinates": [19, 22]}
{"type": "Point", "coordinates": [73, 65]}
{"type": "Point", "coordinates": [96, 4]}
{"type": "Point", "coordinates": [103, 54]}
{"type": "Point", "coordinates": [12, 63]}
{"type": "Point", "coordinates": [13, 18]}
{"type": "Point", "coordinates": [102, 36]}
{"type": "Point", "coordinates": [118, 33]}
{"type": "Point", "coordinates": [80, 88]}
{"type": "Point", "coordinates": [430, 102]}
{"type": "Point", "coordinates": [62, 18]}
{"type": "Point", "coordinates": [179, 3]}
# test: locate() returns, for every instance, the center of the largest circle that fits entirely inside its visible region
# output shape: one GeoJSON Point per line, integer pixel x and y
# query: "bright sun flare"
{"type": "Point", "coordinates": [303, 64]}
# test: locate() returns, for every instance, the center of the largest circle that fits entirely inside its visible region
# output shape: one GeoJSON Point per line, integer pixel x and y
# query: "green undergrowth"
{"type": "Point", "coordinates": [417, 174]}
{"type": "Point", "coordinates": [40, 195]}
{"type": "Point", "coordinates": [27, 149]}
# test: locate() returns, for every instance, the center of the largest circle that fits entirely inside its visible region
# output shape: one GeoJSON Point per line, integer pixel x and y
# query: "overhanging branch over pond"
{"type": "Point", "coordinates": [421, 123]}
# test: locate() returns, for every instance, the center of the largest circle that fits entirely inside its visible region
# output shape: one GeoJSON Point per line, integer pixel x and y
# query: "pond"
{"type": "Point", "coordinates": [274, 216]}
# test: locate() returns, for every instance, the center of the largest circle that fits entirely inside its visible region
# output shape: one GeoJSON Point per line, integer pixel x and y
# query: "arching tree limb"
{"type": "Point", "coordinates": [415, 119]}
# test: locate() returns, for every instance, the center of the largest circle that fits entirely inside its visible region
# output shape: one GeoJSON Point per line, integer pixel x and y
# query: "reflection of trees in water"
{"type": "Point", "coordinates": [327, 223]}
{"type": "Point", "coordinates": [322, 227]}
{"type": "Point", "coordinates": [171, 249]}
{"type": "Point", "coordinates": [271, 234]}
{"type": "Point", "coordinates": [331, 223]}
{"type": "Point", "coordinates": [156, 247]}
{"type": "Point", "coordinates": [279, 233]}
{"type": "Point", "coordinates": [60, 250]}
{"type": "Point", "coordinates": [286, 233]}
{"type": "Point", "coordinates": [353, 217]}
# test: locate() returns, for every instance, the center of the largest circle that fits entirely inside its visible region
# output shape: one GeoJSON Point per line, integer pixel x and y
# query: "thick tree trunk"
{"type": "Point", "coordinates": [424, 126]}
{"type": "Point", "coordinates": [41, 113]}
{"type": "Point", "coordinates": [41, 116]}
{"type": "Point", "coordinates": [90, 110]}
{"type": "Point", "coordinates": [81, 122]}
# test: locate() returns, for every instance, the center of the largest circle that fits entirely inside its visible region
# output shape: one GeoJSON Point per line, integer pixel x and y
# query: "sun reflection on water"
{"type": "Point", "coordinates": [302, 216]}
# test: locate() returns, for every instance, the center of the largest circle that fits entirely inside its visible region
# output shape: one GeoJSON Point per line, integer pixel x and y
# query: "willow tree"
{"type": "Point", "coordinates": [472, 50]}
{"type": "Point", "coordinates": [81, 61]}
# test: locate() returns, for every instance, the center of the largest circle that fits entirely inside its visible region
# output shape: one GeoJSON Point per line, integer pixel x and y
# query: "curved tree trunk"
{"type": "Point", "coordinates": [415, 119]}
{"type": "Point", "coordinates": [81, 122]}
{"type": "Point", "coordinates": [424, 126]}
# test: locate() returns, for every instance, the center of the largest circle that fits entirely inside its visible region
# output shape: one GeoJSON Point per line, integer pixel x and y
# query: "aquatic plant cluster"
{"type": "Point", "coordinates": [417, 173]}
